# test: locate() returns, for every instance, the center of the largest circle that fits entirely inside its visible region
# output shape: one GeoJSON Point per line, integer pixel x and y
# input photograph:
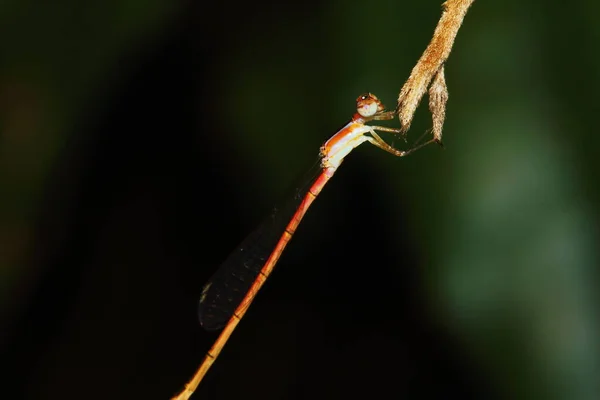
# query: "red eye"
{"type": "Point", "coordinates": [363, 97]}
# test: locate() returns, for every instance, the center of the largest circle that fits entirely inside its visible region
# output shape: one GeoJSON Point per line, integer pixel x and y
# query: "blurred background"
{"type": "Point", "coordinates": [141, 141]}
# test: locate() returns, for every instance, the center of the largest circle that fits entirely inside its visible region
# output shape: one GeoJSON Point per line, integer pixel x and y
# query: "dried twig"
{"type": "Point", "coordinates": [431, 66]}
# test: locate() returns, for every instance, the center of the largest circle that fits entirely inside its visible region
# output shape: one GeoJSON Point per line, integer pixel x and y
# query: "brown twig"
{"type": "Point", "coordinates": [431, 66]}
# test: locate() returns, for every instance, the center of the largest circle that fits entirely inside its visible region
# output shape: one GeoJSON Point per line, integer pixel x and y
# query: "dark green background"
{"type": "Point", "coordinates": [140, 141]}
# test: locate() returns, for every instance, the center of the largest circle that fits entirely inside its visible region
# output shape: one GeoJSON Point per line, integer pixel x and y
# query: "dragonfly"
{"type": "Point", "coordinates": [230, 291]}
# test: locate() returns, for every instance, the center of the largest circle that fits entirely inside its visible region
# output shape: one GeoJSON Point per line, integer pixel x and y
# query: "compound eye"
{"type": "Point", "coordinates": [368, 105]}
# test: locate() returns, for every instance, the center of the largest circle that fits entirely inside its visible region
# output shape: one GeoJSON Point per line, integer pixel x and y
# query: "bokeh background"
{"type": "Point", "coordinates": [141, 141]}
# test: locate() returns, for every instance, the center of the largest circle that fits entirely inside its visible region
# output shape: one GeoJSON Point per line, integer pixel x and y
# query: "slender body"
{"type": "Point", "coordinates": [227, 296]}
